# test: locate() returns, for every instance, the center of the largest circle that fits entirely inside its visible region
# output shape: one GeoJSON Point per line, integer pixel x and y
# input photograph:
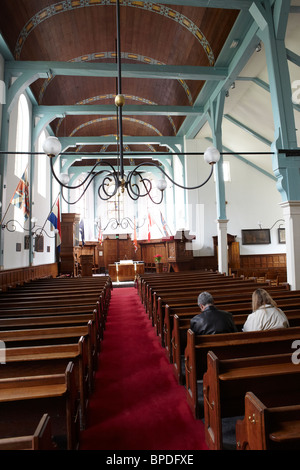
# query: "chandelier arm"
{"type": "Point", "coordinates": [102, 186]}
{"type": "Point", "coordinates": [174, 182]}
{"type": "Point", "coordinates": [113, 222]}
{"type": "Point", "coordinates": [142, 180]}
{"type": "Point", "coordinates": [130, 191]}
{"type": "Point", "coordinates": [148, 191]}
{"type": "Point", "coordinates": [157, 202]}
{"type": "Point", "coordinates": [85, 189]}
{"type": "Point", "coordinates": [78, 185]}
{"type": "Point", "coordinates": [125, 222]}
{"type": "Point", "coordinates": [139, 226]}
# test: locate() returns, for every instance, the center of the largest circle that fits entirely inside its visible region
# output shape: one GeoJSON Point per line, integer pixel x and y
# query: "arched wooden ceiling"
{"type": "Point", "coordinates": [85, 31]}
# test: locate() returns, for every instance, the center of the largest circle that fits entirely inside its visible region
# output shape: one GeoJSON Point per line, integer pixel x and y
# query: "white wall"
{"type": "Point", "coordinates": [40, 210]}
{"type": "Point", "coordinates": [251, 198]}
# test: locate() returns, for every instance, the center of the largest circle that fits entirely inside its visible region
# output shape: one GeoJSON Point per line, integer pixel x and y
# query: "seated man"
{"type": "Point", "coordinates": [211, 320]}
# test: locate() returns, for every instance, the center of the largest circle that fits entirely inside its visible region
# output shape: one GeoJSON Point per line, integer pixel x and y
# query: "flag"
{"type": "Point", "coordinates": [100, 236]}
{"type": "Point", "coordinates": [54, 219]}
{"type": "Point", "coordinates": [81, 230]}
{"type": "Point", "coordinates": [164, 225]}
{"type": "Point", "coordinates": [150, 223]}
{"type": "Point", "coordinates": [21, 195]}
{"type": "Point", "coordinates": [134, 237]}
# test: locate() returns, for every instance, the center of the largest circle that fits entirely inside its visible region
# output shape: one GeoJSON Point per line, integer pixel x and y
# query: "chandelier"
{"type": "Point", "coordinates": [116, 179]}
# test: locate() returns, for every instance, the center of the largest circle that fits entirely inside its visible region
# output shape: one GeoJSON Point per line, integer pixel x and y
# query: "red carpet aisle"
{"type": "Point", "coordinates": [137, 404]}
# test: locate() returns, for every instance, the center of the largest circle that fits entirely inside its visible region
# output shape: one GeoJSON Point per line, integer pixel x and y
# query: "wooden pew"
{"type": "Point", "coordinates": [181, 309]}
{"type": "Point", "coordinates": [23, 399]}
{"type": "Point", "coordinates": [63, 311]}
{"type": "Point", "coordinates": [192, 284]}
{"type": "Point", "coordinates": [185, 290]}
{"type": "Point", "coordinates": [13, 323]}
{"type": "Point", "coordinates": [45, 321]}
{"type": "Point", "coordinates": [187, 313]}
{"type": "Point", "coordinates": [268, 428]}
{"type": "Point", "coordinates": [181, 325]}
{"type": "Point", "coordinates": [226, 383]}
{"type": "Point", "coordinates": [40, 439]}
{"type": "Point", "coordinates": [43, 307]}
{"type": "Point", "coordinates": [45, 360]}
{"type": "Point", "coordinates": [228, 346]}
{"type": "Point", "coordinates": [225, 299]}
{"type": "Point", "coordinates": [144, 280]}
{"type": "Point", "coordinates": [58, 290]}
{"type": "Point", "coordinates": [58, 335]}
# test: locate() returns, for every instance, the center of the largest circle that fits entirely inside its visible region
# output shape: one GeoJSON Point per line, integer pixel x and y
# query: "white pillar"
{"type": "Point", "coordinates": [291, 214]}
{"type": "Point", "coordinates": [222, 246]}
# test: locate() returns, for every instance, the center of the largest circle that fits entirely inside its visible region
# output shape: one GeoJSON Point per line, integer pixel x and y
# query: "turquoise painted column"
{"type": "Point", "coordinates": [272, 20]}
{"type": "Point", "coordinates": [215, 121]}
{"type": "Point", "coordinates": [31, 192]}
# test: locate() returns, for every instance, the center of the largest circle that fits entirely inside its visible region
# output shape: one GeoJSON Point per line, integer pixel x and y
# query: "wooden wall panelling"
{"type": "Point", "coordinates": [13, 277]}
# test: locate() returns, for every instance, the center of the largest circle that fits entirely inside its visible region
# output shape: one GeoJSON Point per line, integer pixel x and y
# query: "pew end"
{"type": "Point", "coordinates": [263, 428]}
{"type": "Point", "coordinates": [41, 439]}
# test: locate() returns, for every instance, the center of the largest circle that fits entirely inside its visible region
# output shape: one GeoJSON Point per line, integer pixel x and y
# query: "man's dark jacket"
{"type": "Point", "coordinates": [213, 321]}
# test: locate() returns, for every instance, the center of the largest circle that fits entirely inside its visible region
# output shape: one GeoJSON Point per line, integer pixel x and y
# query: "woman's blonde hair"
{"type": "Point", "coordinates": [261, 297]}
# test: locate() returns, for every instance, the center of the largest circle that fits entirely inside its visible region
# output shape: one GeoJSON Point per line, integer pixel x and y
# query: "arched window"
{"type": "Point", "coordinates": [22, 145]}
{"type": "Point", "coordinates": [42, 166]}
{"type": "Point", "coordinates": [22, 137]}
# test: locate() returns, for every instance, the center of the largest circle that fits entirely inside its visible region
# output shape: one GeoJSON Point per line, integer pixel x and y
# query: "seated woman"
{"type": "Point", "coordinates": [266, 315]}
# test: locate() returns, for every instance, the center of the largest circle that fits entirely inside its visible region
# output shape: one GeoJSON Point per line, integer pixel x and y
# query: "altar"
{"type": "Point", "coordinates": [125, 270]}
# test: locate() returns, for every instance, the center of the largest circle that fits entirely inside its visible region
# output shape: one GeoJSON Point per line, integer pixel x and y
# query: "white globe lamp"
{"type": "Point", "coordinates": [161, 184]}
{"type": "Point", "coordinates": [211, 155]}
{"type": "Point", "coordinates": [52, 146]}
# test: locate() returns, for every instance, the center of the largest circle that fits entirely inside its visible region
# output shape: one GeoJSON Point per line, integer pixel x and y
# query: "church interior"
{"type": "Point", "coordinates": [149, 151]}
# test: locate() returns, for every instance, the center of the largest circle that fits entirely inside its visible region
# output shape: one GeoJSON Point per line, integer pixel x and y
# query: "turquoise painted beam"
{"type": "Point", "coordinates": [42, 123]}
{"type": "Point", "coordinates": [279, 77]}
{"type": "Point", "coordinates": [24, 80]}
{"type": "Point", "coordinates": [246, 161]}
{"type": "Point", "coordinates": [224, 4]}
{"type": "Point", "coordinates": [134, 70]}
{"type": "Point", "coordinates": [68, 142]}
{"type": "Point", "coordinates": [139, 110]}
{"type": "Point", "coordinates": [247, 129]}
{"type": "Point", "coordinates": [4, 49]}
{"type": "Point", "coordinates": [293, 57]}
{"type": "Point", "coordinates": [215, 121]}
{"type": "Point", "coordinates": [281, 12]}
{"type": "Point", "coordinates": [285, 170]}
{"type": "Point", "coordinates": [265, 86]}
{"type": "Point", "coordinates": [192, 125]}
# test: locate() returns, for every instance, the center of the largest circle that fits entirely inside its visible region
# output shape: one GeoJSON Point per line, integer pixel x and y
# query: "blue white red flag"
{"type": "Point", "coordinates": [164, 225]}
{"type": "Point", "coordinates": [54, 218]}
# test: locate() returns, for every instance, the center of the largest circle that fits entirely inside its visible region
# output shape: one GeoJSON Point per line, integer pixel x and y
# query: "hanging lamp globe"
{"type": "Point", "coordinates": [161, 184]}
{"type": "Point", "coordinates": [52, 146]}
{"type": "Point", "coordinates": [212, 155]}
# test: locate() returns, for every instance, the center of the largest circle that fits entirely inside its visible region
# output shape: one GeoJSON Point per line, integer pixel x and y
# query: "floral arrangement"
{"type": "Point", "coordinates": [157, 258]}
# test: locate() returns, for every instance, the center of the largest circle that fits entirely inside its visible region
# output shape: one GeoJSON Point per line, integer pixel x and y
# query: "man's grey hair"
{"type": "Point", "coordinates": [205, 298]}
